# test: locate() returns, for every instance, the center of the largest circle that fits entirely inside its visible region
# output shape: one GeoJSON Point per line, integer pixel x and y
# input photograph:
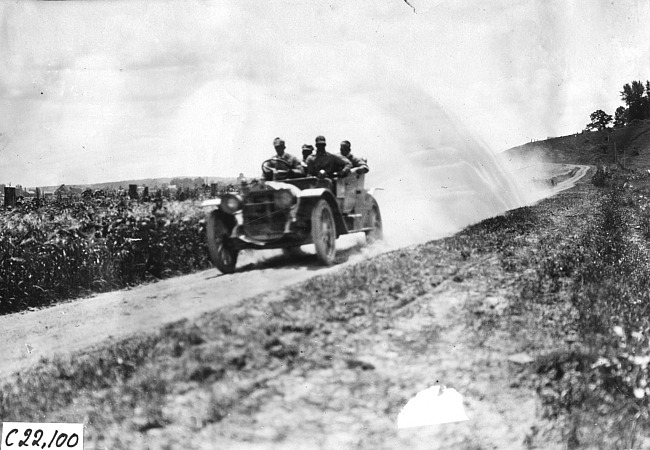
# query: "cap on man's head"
{"type": "Point", "coordinates": [278, 141]}
{"type": "Point", "coordinates": [307, 148]}
{"type": "Point", "coordinates": [320, 139]}
{"type": "Point", "coordinates": [346, 143]}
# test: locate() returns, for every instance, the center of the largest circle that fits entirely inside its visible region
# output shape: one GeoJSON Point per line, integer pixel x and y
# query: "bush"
{"type": "Point", "coordinates": [602, 177]}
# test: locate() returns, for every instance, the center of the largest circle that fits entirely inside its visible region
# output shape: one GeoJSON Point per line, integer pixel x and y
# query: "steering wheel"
{"type": "Point", "coordinates": [276, 169]}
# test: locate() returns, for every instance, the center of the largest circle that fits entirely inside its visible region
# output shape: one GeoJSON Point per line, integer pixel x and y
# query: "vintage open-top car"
{"type": "Point", "coordinates": [288, 213]}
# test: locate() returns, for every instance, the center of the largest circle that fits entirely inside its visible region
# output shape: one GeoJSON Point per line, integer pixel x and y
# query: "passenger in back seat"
{"type": "Point", "coordinates": [359, 165]}
{"type": "Point", "coordinates": [332, 165]}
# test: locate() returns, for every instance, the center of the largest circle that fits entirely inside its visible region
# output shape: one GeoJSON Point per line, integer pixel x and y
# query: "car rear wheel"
{"type": "Point", "coordinates": [220, 247]}
{"type": "Point", "coordinates": [323, 232]}
{"type": "Point", "coordinates": [374, 221]}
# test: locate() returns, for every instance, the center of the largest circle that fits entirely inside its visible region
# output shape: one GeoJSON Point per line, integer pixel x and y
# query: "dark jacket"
{"type": "Point", "coordinates": [329, 163]}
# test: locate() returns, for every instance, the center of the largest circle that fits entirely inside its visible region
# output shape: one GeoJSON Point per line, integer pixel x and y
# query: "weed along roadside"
{"type": "Point", "coordinates": [538, 318]}
{"type": "Point", "coordinates": [595, 386]}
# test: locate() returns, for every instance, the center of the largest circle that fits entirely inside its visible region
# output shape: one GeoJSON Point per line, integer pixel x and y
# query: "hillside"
{"type": "Point", "coordinates": [632, 144]}
{"type": "Point", "coordinates": [151, 182]}
{"type": "Point", "coordinates": [156, 182]}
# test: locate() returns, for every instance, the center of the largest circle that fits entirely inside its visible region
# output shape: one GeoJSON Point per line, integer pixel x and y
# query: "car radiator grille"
{"type": "Point", "coordinates": [262, 220]}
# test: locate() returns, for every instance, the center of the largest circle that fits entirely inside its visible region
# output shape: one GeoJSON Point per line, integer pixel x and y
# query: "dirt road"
{"type": "Point", "coordinates": [88, 322]}
{"type": "Point", "coordinates": [83, 323]}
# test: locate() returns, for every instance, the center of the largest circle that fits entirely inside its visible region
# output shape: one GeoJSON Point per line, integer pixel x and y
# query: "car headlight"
{"type": "Point", "coordinates": [230, 203]}
{"type": "Point", "coordinates": [284, 198]}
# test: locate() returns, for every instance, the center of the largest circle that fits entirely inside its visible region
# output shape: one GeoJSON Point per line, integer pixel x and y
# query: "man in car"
{"type": "Point", "coordinates": [327, 162]}
{"type": "Point", "coordinates": [307, 150]}
{"type": "Point", "coordinates": [282, 165]}
{"type": "Point", "coordinates": [359, 165]}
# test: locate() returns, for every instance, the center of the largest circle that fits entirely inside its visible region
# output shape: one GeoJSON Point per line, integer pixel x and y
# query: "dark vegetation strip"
{"type": "Point", "coordinates": [63, 251]}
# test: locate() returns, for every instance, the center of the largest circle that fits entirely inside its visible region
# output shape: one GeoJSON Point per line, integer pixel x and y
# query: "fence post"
{"type": "Point", "coordinates": [10, 196]}
{"type": "Point", "coordinates": [133, 191]}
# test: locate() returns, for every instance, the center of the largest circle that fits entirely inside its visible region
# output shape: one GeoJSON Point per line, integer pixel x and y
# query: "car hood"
{"type": "Point", "coordinates": [277, 185]}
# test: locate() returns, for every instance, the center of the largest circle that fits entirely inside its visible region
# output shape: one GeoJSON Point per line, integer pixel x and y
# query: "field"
{"type": "Point", "coordinates": [68, 249]}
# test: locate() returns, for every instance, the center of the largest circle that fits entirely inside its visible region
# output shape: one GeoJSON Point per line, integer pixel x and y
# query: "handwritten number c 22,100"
{"type": "Point", "coordinates": [57, 441]}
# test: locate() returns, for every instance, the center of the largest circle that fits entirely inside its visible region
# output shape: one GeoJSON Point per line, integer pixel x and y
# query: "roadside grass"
{"type": "Point", "coordinates": [577, 270]}
{"type": "Point", "coordinates": [594, 384]}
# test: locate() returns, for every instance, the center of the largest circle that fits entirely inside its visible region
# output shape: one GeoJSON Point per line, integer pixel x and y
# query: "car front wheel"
{"type": "Point", "coordinates": [220, 247]}
{"type": "Point", "coordinates": [323, 232]}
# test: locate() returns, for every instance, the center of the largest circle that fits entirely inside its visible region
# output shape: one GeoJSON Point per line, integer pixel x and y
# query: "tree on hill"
{"type": "Point", "coordinates": [636, 98]}
{"type": "Point", "coordinates": [620, 117]}
{"type": "Point", "coordinates": [599, 120]}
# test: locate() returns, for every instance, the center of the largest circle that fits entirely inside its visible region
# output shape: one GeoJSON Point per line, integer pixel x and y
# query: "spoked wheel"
{"type": "Point", "coordinates": [222, 252]}
{"type": "Point", "coordinates": [323, 232]}
{"type": "Point", "coordinates": [374, 221]}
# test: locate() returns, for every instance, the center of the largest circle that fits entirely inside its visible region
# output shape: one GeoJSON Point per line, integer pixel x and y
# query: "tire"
{"type": "Point", "coordinates": [323, 232]}
{"type": "Point", "coordinates": [374, 221]}
{"type": "Point", "coordinates": [222, 252]}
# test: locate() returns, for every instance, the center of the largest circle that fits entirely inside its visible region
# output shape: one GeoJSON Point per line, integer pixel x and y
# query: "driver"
{"type": "Point", "coordinates": [307, 150]}
{"type": "Point", "coordinates": [285, 165]}
{"type": "Point", "coordinates": [327, 162]}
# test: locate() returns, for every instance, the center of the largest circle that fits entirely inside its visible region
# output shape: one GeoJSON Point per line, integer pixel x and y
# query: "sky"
{"type": "Point", "coordinates": [94, 91]}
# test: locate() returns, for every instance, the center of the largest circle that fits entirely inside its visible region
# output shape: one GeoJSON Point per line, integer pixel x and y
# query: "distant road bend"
{"type": "Point", "coordinates": [88, 322]}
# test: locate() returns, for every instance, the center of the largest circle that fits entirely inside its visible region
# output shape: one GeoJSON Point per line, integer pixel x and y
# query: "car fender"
{"type": "Point", "coordinates": [309, 197]}
{"type": "Point", "coordinates": [313, 192]}
{"type": "Point", "coordinates": [211, 204]}
{"type": "Point", "coordinates": [372, 191]}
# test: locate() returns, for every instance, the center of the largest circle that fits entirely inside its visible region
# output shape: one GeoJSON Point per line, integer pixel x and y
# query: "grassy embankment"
{"type": "Point", "coordinates": [627, 146]}
{"type": "Point", "coordinates": [574, 273]}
